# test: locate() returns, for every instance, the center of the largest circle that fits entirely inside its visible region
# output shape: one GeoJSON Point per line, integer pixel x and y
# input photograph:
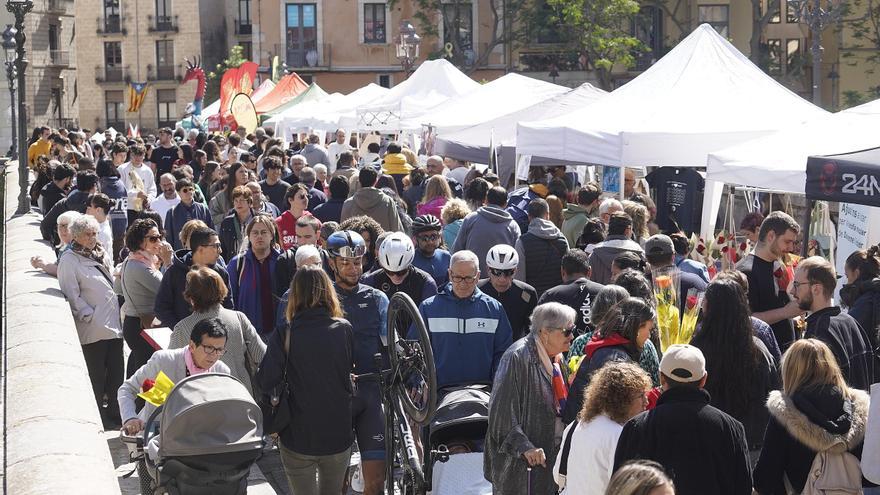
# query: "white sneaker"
{"type": "Point", "coordinates": [357, 480]}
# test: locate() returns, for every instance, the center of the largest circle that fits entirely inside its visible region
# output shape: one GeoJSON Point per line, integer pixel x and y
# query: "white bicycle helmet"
{"type": "Point", "coordinates": [502, 257]}
{"type": "Point", "coordinates": [396, 252]}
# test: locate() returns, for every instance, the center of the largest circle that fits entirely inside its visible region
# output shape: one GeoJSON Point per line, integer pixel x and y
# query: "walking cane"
{"type": "Point", "coordinates": [529, 469]}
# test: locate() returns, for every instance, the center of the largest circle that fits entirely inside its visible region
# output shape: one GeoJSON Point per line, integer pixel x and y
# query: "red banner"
{"type": "Point", "coordinates": [235, 81]}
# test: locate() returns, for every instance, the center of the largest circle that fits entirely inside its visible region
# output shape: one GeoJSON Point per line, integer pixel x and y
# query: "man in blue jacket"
{"type": "Point", "coordinates": [469, 330]}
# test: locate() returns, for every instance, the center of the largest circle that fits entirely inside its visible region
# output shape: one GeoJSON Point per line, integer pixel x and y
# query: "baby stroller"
{"type": "Point", "coordinates": [202, 441]}
{"type": "Point", "coordinates": [455, 441]}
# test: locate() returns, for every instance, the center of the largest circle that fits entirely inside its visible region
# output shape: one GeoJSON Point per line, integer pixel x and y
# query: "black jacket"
{"type": "Point", "coordinates": [864, 307]}
{"type": "Point", "coordinates": [319, 369]}
{"type": "Point", "coordinates": [331, 211]}
{"type": "Point", "coordinates": [49, 195]}
{"type": "Point", "coordinates": [518, 302]}
{"type": "Point", "coordinates": [231, 235]}
{"type": "Point", "coordinates": [170, 305]}
{"type": "Point", "coordinates": [813, 419]}
{"type": "Point", "coordinates": [75, 201]}
{"type": "Point", "coordinates": [579, 296]}
{"type": "Point", "coordinates": [849, 343]}
{"type": "Point", "coordinates": [597, 352]}
{"type": "Point", "coordinates": [702, 448]}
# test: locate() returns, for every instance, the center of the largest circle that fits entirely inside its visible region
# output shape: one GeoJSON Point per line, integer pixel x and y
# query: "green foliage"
{"type": "Point", "coordinates": [599, 28]}
{"type": "Point", "coordinates": [862, 19]}
{"type": "Point", "coordinates": [212, 78]}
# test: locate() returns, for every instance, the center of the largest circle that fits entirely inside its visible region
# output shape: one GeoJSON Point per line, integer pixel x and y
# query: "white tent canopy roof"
{"type": "Point", "coordinates": [434, 82]}
{"type": "Point", "coordinates": [779, 161]}
{"type": "Point", "coordinates": [326, 113]}
{"type": "Point", "coordinates": [504, 95]}
{"type": "Point", "coordinates": [702, 96]}
{"type": "Point", "coordinates": [502, 130]}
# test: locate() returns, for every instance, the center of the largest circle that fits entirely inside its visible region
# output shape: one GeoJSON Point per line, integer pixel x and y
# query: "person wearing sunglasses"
{"type": "Point", "coordinates": [518, 298]}
{"type": "Point", "coordinates": [397, 273]}
{"type": "Point", "coordinates": [426, 231]}
{"type": "Point", "coordinates": [367, 310]}
{"type": "Point", "coordinates": [188, 209]}
{"type": "Point", "coordinates": [469, 330]}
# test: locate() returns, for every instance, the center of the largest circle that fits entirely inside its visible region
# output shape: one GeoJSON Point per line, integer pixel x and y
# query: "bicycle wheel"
{"type": "Point", "coordinates": [412, 360]}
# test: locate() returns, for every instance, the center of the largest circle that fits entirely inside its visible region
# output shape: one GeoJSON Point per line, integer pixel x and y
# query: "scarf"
{"type": "Point", "coordinates": [560, 389]}
{"type": "Point", "coordinates": [96, 253]}
{"type": "Point", "coordinates": [149, 260]}
{"type": "Point", "coordinates": [191, 367]}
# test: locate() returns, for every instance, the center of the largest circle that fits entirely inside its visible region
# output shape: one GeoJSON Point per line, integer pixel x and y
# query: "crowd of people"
{"type": "Point", "coordinates": [274, 262]}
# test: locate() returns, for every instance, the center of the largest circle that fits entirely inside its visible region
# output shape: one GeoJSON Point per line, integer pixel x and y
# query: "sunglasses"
{"type": "Point", "coordinates": [501, 273]}
{"type": "Point", "coordinates": [397, 274]}
{"type": "Point", "coordinates": [426, 238]}
{"type": "Point", "coordinates": [155, 238]}
{"type": "Point", "coordinates": [568, 332]}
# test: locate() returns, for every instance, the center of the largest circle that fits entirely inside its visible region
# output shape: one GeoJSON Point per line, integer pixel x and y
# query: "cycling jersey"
{"type": "Point", "coordinates": [518, 302]}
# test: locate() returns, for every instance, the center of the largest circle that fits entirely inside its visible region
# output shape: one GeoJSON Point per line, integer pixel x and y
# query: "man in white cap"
{"type": "Point", "coordinates": [703, 448]}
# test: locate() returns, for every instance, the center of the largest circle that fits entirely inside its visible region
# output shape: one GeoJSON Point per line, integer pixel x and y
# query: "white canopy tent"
{"type": "Point", "coordinates": [472, 143]}
{"type": "Point", "coordinates": [434, 82]}
{"type": "Point", "coordinates": [704, 95]}
{"type": "Point", "coordinates": [504, 95]}
{"type": "Point", "coordinates": [779, 160]}
{"type": "Point", "coordinates": [325, 114]}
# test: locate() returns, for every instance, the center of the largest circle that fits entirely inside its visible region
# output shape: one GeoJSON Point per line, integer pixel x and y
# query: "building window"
{"type": "Point", "coordinates": [247, 49]}
{"type": "Point", "coordinates": [717, 16]}
{"type": "Point", "coordinates": [113, 109]}
{"type": "Point", "coordinates": [374, 23]}
{"type": "Point", "coordinates": [647, 27]}
{"type": "Point", "coordinates": [791, 13]}
{"type": "Point", "coordinates": [57, 106]}
{"type": "Point", "coordinates": [112, 21]}
{"type": "Point", "coordinates": [307, 78]}
{"type": "Point", "coordinates": [458, 24]}
{"type": "Point", "coordinates": [775, 18]}
{"type": "Point", "coordinates": [167, 112]}
{"type": "Point", "coordinates": [301, 32]}
{"type": "Point", "coordinates": [113, 61]}
{"type": "Point", "coordinates": [384, 80]}
{"type": "Point", "coordinates": [53, 37]}
{"type": "Point", "coordinates": [163, 10]}
{"type": "Point", "coordinates": [244, 11]}
{"type": "Point", "coordinates": [793, 59]}
{"type": "Point", "coordinates": [774, 57]}
{"type": "Point", "coordinates": [165, 60]}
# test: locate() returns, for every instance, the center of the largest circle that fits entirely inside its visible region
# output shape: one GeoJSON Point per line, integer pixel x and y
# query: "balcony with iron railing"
{"type": "Point", "coordinates": [164, 72]}
{"type": "Point", "coordinates": [243, 27]}
{"type": "Point", "coordinates": [59, 58]}
{"type": "Point", "coordinates": [112, 74]}
{"type": "Point", "coordinates": [163, 24]}
{"type": "Point", "coordinates": [112, 24]}
{"type": "Point", "coordinates": [317, 57]}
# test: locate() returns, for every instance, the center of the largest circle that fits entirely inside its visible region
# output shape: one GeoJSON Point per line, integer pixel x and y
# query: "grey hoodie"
{"type": "Point", "coordinates": [604, 253]}
{"type": "Point", "coordinates": [375, 204]}
{"type": "Point", "coordinates": [483, 229]}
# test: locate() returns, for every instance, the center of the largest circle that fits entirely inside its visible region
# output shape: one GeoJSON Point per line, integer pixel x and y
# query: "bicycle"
{"type": "Point", "coordinates": [409, 393]}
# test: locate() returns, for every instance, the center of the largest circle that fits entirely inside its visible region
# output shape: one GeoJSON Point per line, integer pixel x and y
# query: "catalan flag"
{"type": "Point", "coordinates": [137, 92]}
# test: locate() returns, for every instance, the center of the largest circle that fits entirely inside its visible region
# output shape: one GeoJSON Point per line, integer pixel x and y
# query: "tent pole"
{"type": "Point", "coordinates": [805, 244]}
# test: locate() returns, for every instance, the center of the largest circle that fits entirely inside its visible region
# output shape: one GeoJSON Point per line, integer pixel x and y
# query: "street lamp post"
{"type": "Point", "coordinates": [812, 13]}
{"type": "Point", "coordinates": [407, 46]}
{"type": "Point", "coordinates": [20, 8]}
{"type": "Point", "coordinates": [9, 51]}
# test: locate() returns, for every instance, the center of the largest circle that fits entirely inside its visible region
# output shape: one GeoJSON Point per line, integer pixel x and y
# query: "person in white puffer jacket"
{"type": "Point", "coordinates": [616, 393]}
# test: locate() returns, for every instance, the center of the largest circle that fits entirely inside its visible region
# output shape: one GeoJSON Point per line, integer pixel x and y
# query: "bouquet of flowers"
{"type": "Point", "coordinates": [692, 306]}
{"type": "Point", "coordinates": [666, 286]}
{"type": "Point", "coordinates": [156, 391]}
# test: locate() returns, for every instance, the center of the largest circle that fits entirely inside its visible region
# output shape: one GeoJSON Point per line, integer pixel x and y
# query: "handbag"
{"type": "Point", "coordinates": [276, 408]}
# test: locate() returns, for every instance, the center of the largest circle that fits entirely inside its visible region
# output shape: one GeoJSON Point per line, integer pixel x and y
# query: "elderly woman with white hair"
{"type": "Point", "coordinates": [63, 229]}
{"type": "Point", "coordinates": [524, 411]}
{"type": "Point", "coordinates": [86, 279]}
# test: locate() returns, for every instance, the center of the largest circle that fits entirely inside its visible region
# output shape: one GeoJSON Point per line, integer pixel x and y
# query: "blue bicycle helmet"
{"type": "Point", "coordinates": [346, 244]}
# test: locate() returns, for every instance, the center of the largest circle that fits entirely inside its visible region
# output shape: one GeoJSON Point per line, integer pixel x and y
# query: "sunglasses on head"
{"type": "Point", "coordinates": [501, 273]}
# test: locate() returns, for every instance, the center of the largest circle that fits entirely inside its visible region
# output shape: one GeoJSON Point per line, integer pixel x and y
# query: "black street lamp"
{"type": "Point", "coordinates": [20, 8]}
{"type": "Point", "coordinates": [9, 51]}
{"type": "Point", "coordinates": [408, 46]}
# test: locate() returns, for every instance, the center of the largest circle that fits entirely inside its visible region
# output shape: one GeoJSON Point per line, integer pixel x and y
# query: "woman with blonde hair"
{"type": "Point", "coordinates": [313, 359]}
{"type": "Point", "coordinates": [814, 412]}
{"type": "Point", "coordinates": [640, 477]}
{"type": "Point", "coordinates": [615, 394]}
{"type": "Point", "coordinates": [437, 193]}
{"type": "Point", "coordinates": [452, 214]}
{"type": "Point", "coordinates": [640, 216]}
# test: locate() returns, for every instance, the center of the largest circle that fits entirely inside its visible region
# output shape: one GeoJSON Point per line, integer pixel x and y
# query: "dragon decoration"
{"type": "Point", "coordinates": [192, 118]}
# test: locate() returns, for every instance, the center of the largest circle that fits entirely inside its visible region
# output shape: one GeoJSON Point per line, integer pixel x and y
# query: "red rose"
{"type": "Point", "coordinates": [691, 302]}
{"type": "Point", "coordinates": [147, 385]}
{"type": "Point", "coordinates": [724, 249]}
{"type": "Point", "coordinates": [701, 248]}
{"type": "Point", "coordinates": [721, 239]}
{"type": "Point", "coordinates": [778, 273]}
{"type": "Point", "coordinates": [743, 246]}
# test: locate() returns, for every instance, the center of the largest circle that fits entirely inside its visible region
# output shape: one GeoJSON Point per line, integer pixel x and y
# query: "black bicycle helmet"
{"type": "Point", "coordinates": [424, 223]}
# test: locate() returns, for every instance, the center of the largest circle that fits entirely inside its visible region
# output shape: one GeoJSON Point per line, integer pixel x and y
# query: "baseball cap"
{"type": "Point", "coordinates": [683, 363]}
{"type": "Point", "coordinates": [659, 244]}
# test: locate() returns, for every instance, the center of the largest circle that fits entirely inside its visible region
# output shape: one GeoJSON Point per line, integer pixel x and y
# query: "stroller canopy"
{"type": "Point", "coordinates": [461, 413]}
{"type": "Point", "coordinates": [210, 413]}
